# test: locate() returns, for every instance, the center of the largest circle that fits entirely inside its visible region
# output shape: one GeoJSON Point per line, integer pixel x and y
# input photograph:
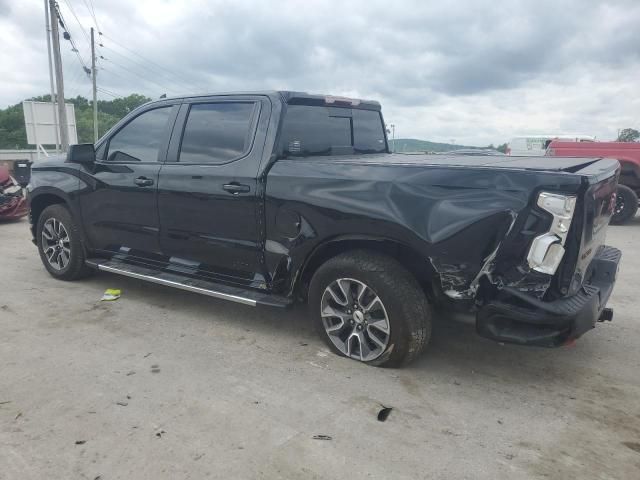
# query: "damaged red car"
{"type": "Point", "coordinates": [13, 203]}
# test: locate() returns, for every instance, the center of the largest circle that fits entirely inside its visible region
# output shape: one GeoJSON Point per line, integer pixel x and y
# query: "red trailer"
{"type": "Point", "coordinates": [627, 153]}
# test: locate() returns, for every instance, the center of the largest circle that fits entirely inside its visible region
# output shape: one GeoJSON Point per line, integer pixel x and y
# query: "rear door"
{"type": "Point", "coordinates": [119, 209]}
{"type": "Point", "coordinates": [208, 189]}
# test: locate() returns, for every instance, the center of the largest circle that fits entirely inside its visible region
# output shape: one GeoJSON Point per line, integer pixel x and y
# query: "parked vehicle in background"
{"type": "Point", "coordinates": [13, 203]}
{"type": "Point", "coordinates": [536, 145]}
{"type": "Point", "coordinates": [627, 153]}
{"type": "Point", "coordinates": [274, 197]}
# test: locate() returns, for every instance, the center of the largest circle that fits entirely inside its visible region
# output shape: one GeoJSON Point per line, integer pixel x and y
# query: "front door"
{"type": "Point", "coordinates": [120, 204]}
{"type": "Point", "coordinates": [208, 195]}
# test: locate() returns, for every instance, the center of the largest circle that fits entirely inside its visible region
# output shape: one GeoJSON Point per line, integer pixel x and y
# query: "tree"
{"type": "Point", "coordinates": [13, 134]}
{"type": "Point", "coordinates": [502, 148]}
{"type": "Point", "coordinates": [629, 135]}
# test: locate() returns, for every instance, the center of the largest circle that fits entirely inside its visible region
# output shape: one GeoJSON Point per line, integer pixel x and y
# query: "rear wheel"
{"type": "Point", "coordinates": [60, 245]}
{"type": "Point", "coordinates": [626, 205]}
{"type": "Point", "coordinates": [368, 307]}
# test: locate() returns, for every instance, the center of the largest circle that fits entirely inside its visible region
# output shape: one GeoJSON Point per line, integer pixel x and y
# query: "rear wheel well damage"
{"type": "Point", "coordinates": [418, 266]}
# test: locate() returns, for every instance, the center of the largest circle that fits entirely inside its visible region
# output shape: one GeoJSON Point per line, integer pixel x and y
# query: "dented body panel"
{"type": "Point", "coordinates": [463, 225]}
{"type": "Point", "coordinates": [468, 220]}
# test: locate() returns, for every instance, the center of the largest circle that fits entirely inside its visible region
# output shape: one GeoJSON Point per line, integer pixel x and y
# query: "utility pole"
{"type": "Point", "coordinates": [53, 90]}
{"type": "Point", "coordinates": [57, 61]}
{"type": "Point", "coordinates": [95, 95]}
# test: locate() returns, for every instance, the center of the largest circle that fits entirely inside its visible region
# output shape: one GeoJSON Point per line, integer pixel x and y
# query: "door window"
{"type": "Point", "coordinates": [216, 132]}
{"type": "Point", "coordinates": [140, 139]}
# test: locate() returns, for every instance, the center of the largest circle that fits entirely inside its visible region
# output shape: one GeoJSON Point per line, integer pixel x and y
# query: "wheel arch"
{"type": "Point", "coordinates": [417, 264]}
{"type": "Point", "coordinates": [43, 199]}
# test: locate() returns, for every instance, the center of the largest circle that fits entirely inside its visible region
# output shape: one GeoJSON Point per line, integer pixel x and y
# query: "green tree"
{"type": "Point", "coordinates": [13, 134]}
{"type": "Point", "coordinates": [629, 135]}
{"type": "Point", "coordinates": [502, 148]}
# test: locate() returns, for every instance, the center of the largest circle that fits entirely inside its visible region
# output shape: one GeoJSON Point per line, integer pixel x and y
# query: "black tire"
{"type": "Point", "coordinates": [75, 267]}
{"type": "Point", "coordinates": [626, 205]}
{"type": "Point", "coordinates": [404, 303]}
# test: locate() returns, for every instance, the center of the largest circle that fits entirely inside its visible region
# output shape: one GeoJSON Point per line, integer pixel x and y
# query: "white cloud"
{"type": "Point", "coordinates": [475, 71]}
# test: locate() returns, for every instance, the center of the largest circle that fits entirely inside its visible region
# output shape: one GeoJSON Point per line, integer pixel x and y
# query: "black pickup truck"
{"type": "Point", "coordinates": [268, 198]}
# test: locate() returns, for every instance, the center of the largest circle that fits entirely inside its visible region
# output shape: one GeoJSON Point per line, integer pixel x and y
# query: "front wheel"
{"type": "Point", "coordinates": [60, 245]}
{"type": "Point", "coordinates": [626, 205]}
{"type": "Point", "coordinates": [368, 307]}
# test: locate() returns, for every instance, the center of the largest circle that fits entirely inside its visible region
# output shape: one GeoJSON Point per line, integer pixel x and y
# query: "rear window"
{"type": "Point", "coordinates": [315, 130]}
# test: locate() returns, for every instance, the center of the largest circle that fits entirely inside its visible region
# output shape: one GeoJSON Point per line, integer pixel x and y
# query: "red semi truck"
{"type": "Point", "coordinates": [627, 153]}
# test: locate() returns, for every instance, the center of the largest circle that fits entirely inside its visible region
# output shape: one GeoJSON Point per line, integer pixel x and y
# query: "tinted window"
{"type": "Point", "coordinates": [141, 138]}
{"type": "Point", "coordinates": [368, 132]}
{"type": "Point", "coordinates": [319, 130]}
{"type": "Point", "coordinates": [216, 132]}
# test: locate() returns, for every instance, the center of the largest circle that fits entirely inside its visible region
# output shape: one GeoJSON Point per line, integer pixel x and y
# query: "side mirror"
{"type": "Point", "coordinates": [83, 153]}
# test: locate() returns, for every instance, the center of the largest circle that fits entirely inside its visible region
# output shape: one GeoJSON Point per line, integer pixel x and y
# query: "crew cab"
{"type": "Point", "coordinates": [627, 153]}
{"type": "Point", "coordinates": [269, 198]}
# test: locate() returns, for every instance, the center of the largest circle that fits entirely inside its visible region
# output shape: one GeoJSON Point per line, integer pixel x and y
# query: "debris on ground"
{"type": "Point", "coordinates": [159, 433]}
{"type": "Point", "coordinates": [155, 369]}
{"type": "Point", "coordinates": [110, 294]}
{"type": "Point", "coordinates": [145, 356]}
{"type": "Point", "coordinates": [80, 442]}
{"type": "Point", "coordinates": [383, 414]}
{"type": "Point", "coordinates": [18, 415]}
{"type": "Point", "coordinates": [122, 404]}
{"type": "Point", "coordinates": [5, 402]}
{"type": "Point", "coordinates": [130, 373]}
{"type": "Point", "coordinates": [322, 437]}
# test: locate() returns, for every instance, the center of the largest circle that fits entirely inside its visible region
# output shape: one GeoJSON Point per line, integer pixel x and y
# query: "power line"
{"type": "Point", "coordinates": [68, 36]}
{"type": "Point", "coordinates": [92, 12]}
{"type": "Point", "coordinates": [107, 92]}
{"type": "Point", "coordinates": [146, 79]}
{"type": "Point", "coordinates": [84, 32]}
{"type": "Point", "coordinates": [143, 66]}
{"type": "Point", "coordinates": [151, 62]}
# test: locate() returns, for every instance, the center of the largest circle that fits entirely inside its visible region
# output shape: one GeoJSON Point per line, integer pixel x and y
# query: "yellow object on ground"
{"type": "Point", "coordinates": [110, 294]}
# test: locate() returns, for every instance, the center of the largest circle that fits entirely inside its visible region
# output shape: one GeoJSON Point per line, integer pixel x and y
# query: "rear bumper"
{"type": "Point", "coordinates": [525, 320]}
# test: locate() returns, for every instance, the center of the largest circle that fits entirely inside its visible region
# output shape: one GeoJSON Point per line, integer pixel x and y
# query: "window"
{"type": "Point", "coordinates": [318, 130]}
{"type": "Point", "coordinates": [141, 138]}
{"type": "Point", "coordinates": [368, 132]}
{"type": "Point", "coordinates": [216, 132]}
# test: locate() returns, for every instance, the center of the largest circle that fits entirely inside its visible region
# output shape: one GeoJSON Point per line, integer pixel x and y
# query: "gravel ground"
{"type": "Point", "coordinates": [167, 384]}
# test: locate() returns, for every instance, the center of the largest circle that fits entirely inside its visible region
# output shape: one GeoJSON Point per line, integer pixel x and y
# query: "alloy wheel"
{"type": "Point", "coordinates": [355, 319]}
{"type": "Point", "coordinates": [56, 244]}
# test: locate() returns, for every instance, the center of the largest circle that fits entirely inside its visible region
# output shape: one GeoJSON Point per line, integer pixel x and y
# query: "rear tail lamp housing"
{"type": "Point", "coordinates": [547, 250]}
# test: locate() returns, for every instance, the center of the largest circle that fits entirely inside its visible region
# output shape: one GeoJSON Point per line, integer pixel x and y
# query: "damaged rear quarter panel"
{"type": "Point", "coordinates": [460, 220]}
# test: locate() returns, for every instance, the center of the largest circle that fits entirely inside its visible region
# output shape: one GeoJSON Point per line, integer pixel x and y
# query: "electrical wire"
{"type": "Point", "coordinates": [63, 23]}
{"type": "Point", "coordinates": [107, 92]}
{"type": "Point", "coordinates": [157, 66]}
{"type": "Point", "coordinates": [146, 79]}
{"type": "Point", "coordinates": [84, 32]}
{"type": "Point", "coordinates": [92, 12]}
{"type": "Point", "coordinates": [143, 66]}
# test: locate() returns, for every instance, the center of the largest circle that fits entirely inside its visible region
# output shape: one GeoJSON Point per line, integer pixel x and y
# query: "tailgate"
{"type": "Point", "coordinates": [598, 201]}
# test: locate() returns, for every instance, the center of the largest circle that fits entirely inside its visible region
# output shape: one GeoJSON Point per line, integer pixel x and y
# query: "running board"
{"type": "Point", "coordinates": [225, 292]}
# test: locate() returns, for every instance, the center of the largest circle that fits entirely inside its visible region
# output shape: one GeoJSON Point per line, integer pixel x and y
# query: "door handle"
{"type": "Point", "coordinates": [143, 181]}
{"type": "Point", "coordinates": [236, 188]}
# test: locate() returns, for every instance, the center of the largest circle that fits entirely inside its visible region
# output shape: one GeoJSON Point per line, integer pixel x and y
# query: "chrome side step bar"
{"type": "Point", "coordinates": [203, 287]}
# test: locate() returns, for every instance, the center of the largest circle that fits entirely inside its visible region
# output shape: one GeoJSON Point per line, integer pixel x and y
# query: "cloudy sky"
{"type": "Point", "coordinates": [471, 70]}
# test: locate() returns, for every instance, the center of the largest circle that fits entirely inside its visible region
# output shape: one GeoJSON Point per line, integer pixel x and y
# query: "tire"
{"type": "Point", "coordinates": [626, 205]}
{"type": "Point", "coordinates": [66, 239]}
{"type": "Point", "coordinates": [335, 307]}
